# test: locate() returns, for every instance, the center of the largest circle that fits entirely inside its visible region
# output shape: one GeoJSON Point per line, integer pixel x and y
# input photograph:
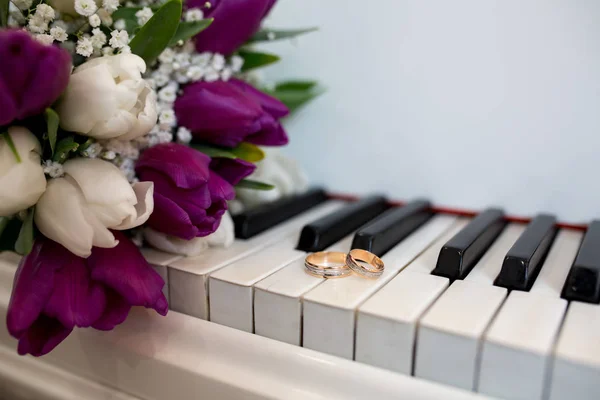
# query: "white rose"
{"type": "Point", "coordinates": [279, 171]}
{"type": "Point", "coordinates": [22, 183]}
{"type": "Point", "coordinates": [108, 98]}
{"type": "Point", "coordinates": [78, 210]}
{"type": "Point", "coordinates": [222, 237]}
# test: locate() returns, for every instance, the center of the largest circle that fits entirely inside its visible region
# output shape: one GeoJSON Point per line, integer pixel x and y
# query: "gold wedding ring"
{"type": "Point", "coordinates": [374, 267]}
{"type": "Point", "coordinates": [327, 264]}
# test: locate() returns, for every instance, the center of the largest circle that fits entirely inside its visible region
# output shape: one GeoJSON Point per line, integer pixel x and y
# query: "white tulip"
{"type": "Point", "coordinates": [222, 237]}
{"type": "Point", "coordinates": [107, 98]}
{"type": "Point", "coordinates": [278, 170]}
{"type": "Point", "coordinates": [78, 209]}
{"type": "Point", "coordinates": [22, 183]}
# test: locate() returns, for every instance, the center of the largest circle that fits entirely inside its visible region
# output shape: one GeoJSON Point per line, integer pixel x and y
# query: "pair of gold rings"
{"type": "Point", "coordinates": [335, 264]}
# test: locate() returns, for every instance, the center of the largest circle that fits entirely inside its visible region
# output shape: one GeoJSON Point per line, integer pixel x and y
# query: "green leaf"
{"type": "Point", "coordinates": [296, 85]}
{"type": "Point", "coordinates": [187, 30]}
{"type": "Point", "coordinates": [52, 122]}
{"type": "Point", "coordinates": [3, 223]}
{"type": "Point", "coordinates": [294, 99]}
{"type": "Point", "coordinates": [250, 184]}
{"type": "Point", "coordinates": [3, 13]}
{"type": "Point", "coordinates": [212, 151]}
{"type": "Point", "coordinates": [275, 34]}
{"type": "Point", "coordinates": [255, 59]}
{"type": "Point", "coordinates": [24, 242]}
{"type": "Point", "coordinates": [12, 146]}
{"type": "Point", "coordinates": [157, 33]}
{"type": "Point", "coordinates": [248, 152]}
{"type": "Point", "coordinates": [63, 148]}
{"type": "Point", "coordinates": [10, 234]}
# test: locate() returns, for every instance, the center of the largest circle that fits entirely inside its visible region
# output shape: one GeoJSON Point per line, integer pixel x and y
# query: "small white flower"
{"type": "Point", "coordinates": [160, 78]}
{"type": "Point", "coordinates": [98, 38]}
{"type": "Point", "coordinates": [166, 68]}
{"type": "Point", "coordinates": [168, 94]}
{"type": "Point", "coordinates": [144, 15]}
{"type": "Point", "coordinates": [125, 50]}
{"type": "Point", "coordinates": [105, 17]}
{"type": "Point", "coordinates": [194, 14]}
{"type": "Point", "coordinates": [44, 38]}
{"type": "Point", "coordinates": [37, 24]}
{"type": "Point", "coordinates": [211, 75]}
{"type": "Point", "coordinates": [53, 169]}
{"type": "Point", "coordinates": [236, 63]}
{"type": "Point", "coordinates": [182, 60]}
{"type": "Point", "coordinates": [201, 59]}
{"type": "Point", "coordinates": [45, 12]}
{"type": "Point", "coordinates": [85, 47]}
{"type": "Point", "coordinates": [167, 117]}
{"type": "Point", "coordinates": [181, 77]}
{"type": "Point", "coordinates": [167, 55]}
{"type": "Point", "coordinates": [184, 135]}
{"type": "Point", "coordinates": [218, 62]}
{"type": "Point", "coordinates": [226, 73]}
{"type": "Point", "coordinates": [59, 34]}
{"type": "Point", "coordinates": [95, 21]}
{"type": "Point", "coordinates": [195, 73]}
{"type": "Point", "coordinates": [120, 24]}
{"type": "Point", "coordinates": [164, 136]}
{"type": "Point", "coordinates": [110, 5]}
{"type": "Point", "coordinates": [108, 51]}
{"type": "Point", "coordinates": [271, 35]}
{"type": "Point", "coordinates": [85, 7]}
{"type": "Point", "coordinates": [23, 4]}
{"type": "Point", "coordinates": [119, 39]}
{"type": "Point", "coordinates": [109, 155]}
{"type": "Point", "coordinates": [92, 151]}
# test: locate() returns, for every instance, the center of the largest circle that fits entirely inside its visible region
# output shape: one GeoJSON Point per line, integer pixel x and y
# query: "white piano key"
{"type": "Point", "coordinates": [576, 369]}
{"type": "Point", "coordinates": [329, 308]}
{"type": "Point", "coordinates": [278, 299]}
{"type": "Point", "coordinates": [488, 267]}
{"type": "Point", "coordinates": [231, 291]}
{"type": "Point", "coordinates": [188, 277]}
{"type": "Point", "coordinates": [159, 261]}
{"type": "Point", "coordinates": [450, 333]}
{"type": "Point", "coordinates": [517, 349]}
{"type": "Point", "coordinates": [552, 277]}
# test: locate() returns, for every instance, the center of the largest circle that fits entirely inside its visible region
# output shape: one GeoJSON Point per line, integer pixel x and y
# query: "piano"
{"type": "Point", "coordinates": [471, 305]}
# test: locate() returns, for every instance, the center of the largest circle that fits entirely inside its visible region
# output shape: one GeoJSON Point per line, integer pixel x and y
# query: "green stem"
{"type": "Point", "coordinates": [12, 146]}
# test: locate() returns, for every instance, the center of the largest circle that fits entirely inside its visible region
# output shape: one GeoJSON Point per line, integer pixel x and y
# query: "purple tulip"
{"type": "Point", "coordinates": [190, 194]}
{"type": "Point", "coordinates": [55, 291]}
{"type": "Point", "coordinates": [228, 113]}
{"type": "Point", "coordinates": [32, 75]}
{"type": "Point", "coordinates": [235, 21]}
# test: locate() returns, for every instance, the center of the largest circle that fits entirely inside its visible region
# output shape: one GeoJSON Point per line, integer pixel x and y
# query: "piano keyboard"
{"type": "Point", "coordinates": [506, 309]}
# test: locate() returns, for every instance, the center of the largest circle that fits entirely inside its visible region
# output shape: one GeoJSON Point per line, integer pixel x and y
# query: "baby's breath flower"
{"type": "Point", "coordinates": [201, 59]}
{"type": "Point", "coordinates": [211, 75]}
{"type": "Point", "coordinates": [119, 39]}
{"type": "Point", "coordinates": [167, 117]}
{"type": "Point", "coordinates": [236, 63]}
{"type": "Point", "coordinates": [59, 34]}
{"type": "Point", "coordinates": [98, 38]}
{"type": "Point", "coordinates": [184, 135]}
{"type": "Point", "coordinates": [195, 73]}
{"type": "Point", "coordinates": [110, 5]}
{"type": "Point", "coordinates": [23, 4]}
{"type": "Point", "coordinates": [164, 136]}
{"type": "Point", "coordinates": [218, 62]}
{"type": "Point", "coordinates": [85, 47]}
{"type": "Point", "coordinates": [182, 60]}
{"type": "Point", "coordinates": [107, 51]}
{"type": "Point", "coordinates": [168, 93]}
{"type": "Point", "coordinates": [37, 24]}
{"type": "Point", "coordinates": [53, 169]}
{"type": "Point", "coordinates": [125, 50]}
{"type": "Point", "coordinates": [194, 14]}
{"type": "Point", "coordinates": [160, 78]}
{"type": "Point", "coordinates": [226, 73]}
{"type": "Point", "coordinates": [45, 12]}
{"type": "Point", "coordinates": [44, 38]}
{"type": "Point", "coordinates": [120, 24]}
{"type": "Point", "coordinates": [94, 21]}
{"type": "Point", "coordinates": [166, 56]}
{"type": "Point", "coordinates": [86, 8]}
{"type": "Point", "coordinates": [144, 15]}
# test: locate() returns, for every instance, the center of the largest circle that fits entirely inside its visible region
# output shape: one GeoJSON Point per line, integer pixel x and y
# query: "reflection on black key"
{"type": "Point", "coordinates": [266, 216]}
{"type": "Point", "coordinates": [525, 258]}
{"type": "Point", "coordinates": [320, 234]}
{"type": "Point", "coordinates": [583, 281]}
{"type": "Point", "coordinates": [384, 232]}
{"type": "Point", "coordinates": [460, 254]}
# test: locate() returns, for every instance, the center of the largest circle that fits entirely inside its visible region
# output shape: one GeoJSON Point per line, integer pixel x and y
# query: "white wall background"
{"type": "Point", "coordinates": [470, 103]}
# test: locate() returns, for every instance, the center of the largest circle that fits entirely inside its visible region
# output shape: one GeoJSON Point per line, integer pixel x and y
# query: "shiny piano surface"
{"type": "Point", "coordinates": [248, 322]}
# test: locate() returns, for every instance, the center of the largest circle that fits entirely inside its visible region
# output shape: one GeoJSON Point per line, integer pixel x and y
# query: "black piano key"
{"type": "Point", "coordinates": [525, 258]}
{"type": "Point", "coordinates": [258, 219]}
{"type": "Point", "coordinates": [460, 254]}
{"type": "Point", "coordinates": [583, 280]}
{"type": "Point", "coordinates": [320, 234]}
{"type": "Point", "coordinates": [388, 229]}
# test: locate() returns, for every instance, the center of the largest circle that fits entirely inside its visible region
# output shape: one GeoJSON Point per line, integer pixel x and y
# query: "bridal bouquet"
{"type": "Point", "coordinates": [124, 124]}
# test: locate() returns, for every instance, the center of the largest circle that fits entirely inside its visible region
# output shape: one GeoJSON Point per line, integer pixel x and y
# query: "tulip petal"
{"type": "Point", "coordinates": [33, 284]}
{"type": "Point", "coordinates": [117, 309]}
{"type": "Point", "coordinates": [125, 270]}
{"type": "Point", "coordinates": [168, 217]}
{"type": "Point", "coordinates": [269, 103]}
{"type": "Point", "coordinates": [42, 337]}
{"type": "Point", "coordinates": [144, 191]}
{"type": "Point", "coordinates": [233, 170]}
{"type": "Point", "coordinates": [272, 134]}
{"type": "Point", "coordinates": [76, 300]}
